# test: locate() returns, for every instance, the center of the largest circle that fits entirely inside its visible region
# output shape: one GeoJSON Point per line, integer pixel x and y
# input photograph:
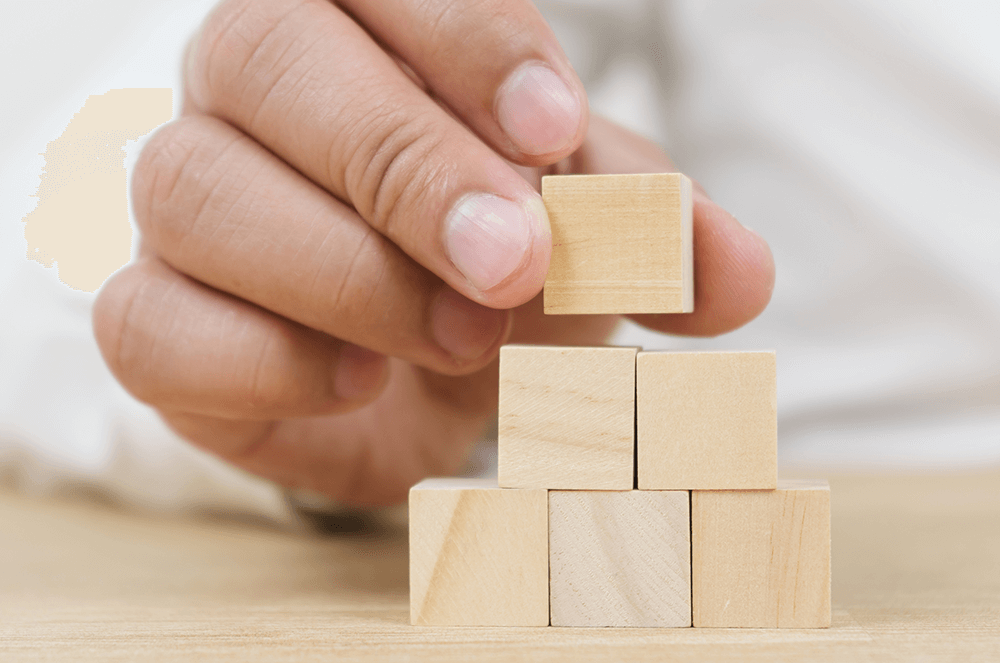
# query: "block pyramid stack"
{"type": "Point", "coordinates": [634, 489]}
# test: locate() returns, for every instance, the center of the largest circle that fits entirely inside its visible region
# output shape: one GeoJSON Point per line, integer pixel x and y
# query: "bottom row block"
{"type": "Point", "coordinates": [619, 558]}
{"type": "Point", "coordinates": [479, 554]}
{"type": "Point", "coordinates": [761, 558]}
{"type": "Point", "coordinates": [487, 556]}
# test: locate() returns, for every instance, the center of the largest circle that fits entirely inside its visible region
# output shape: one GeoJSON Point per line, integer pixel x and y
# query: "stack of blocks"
{"type": "Point", "coordinates": [634, 489]}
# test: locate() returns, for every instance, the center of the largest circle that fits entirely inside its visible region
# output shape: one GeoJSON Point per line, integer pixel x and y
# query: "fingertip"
{"type": "Point", "coordinates": [527, 281]}
{"type": "Point", "coordinates": [106, 313]}
{"type": "Point", "coordinates": [734, 270]}
{"type": "Point", "coordinates": [113, 307]}
{"type": "Point", "coordinates": [741, 276]}
{"type": "Point", "coordinates": [501, 247]}
{"type": "Point", "coordinates": [541, 112]}
{"type": "Point", "coordinates": [360, 373]}
{"type": "Point", "coordinates": [764, 258]}
{"type": "Point", "coordinates": [469, 332]}
{"type": "Point", "coordinates": [734, 276]}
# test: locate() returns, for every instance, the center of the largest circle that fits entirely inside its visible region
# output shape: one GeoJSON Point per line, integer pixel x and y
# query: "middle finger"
{"type": "Point", "coordinates": [311, 85]}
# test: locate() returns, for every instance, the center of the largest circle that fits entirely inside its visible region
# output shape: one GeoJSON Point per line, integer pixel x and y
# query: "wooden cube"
{"type": "Point", "coordinates": [762, 558]}
{"type": "Point", "coordinates": [706, 420]}
{"type": "Point", "coordinates": [620, 244]}
{"type": "Point", "coordinates": [479, 555]}
{"type": "Point", "coordinates": [619, 558]}
{"type": "Point", "coordinates": [567, 418]}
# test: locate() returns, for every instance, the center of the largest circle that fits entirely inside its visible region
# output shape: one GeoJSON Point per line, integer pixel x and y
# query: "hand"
{"type": "Point", "coordinates": [343, 228]}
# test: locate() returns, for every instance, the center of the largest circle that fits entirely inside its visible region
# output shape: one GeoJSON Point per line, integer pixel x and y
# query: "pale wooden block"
{"type": "Point", "coordinates": [620, 244]}
{"type": "Point", "coordinates": [479, 555]}
{"type": "Point", "coordinates": [620, 558]}
{"type": "Point", "coordinates": [762, 558]}
{"type": "Point", "coordinates": [706, 420]}
{"type": "Point", "coordinates": [567, 417]}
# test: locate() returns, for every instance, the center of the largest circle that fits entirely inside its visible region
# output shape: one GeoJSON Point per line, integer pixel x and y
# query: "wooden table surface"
{"type": "Point", "coordinates": [916, 577]}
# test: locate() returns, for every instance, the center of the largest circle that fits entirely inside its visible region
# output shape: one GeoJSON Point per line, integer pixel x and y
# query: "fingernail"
{"type": "Point", "coordinates": [463, 328]}
{"type": "Point", "coordinates": [537, 110]}
{"type": "Point", "coordinates": [359, 372]}
{"type": "Point", "coordinates": [487, 238]}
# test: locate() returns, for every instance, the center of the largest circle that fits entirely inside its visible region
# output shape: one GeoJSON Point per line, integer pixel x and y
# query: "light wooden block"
{"type": "Point", "coordinates": [620, 558]}
{"type": "Point", "coordinates": [567, 418]}
{"type": "Point", "coordinates": [706, 420]}
{"type": "Point", "coordinates": [479, 555]}
{"type": "Point", "coordinates": [620, 244]}
{"type": "Point", "coordinates": [762, 558]}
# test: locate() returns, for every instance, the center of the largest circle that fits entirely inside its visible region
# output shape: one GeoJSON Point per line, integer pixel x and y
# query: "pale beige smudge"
{"type": "Point", "coordinates": [81, 221]}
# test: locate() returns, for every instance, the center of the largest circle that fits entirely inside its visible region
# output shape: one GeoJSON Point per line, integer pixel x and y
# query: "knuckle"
{"type": "Point", "coordinates": [355, 283]}
{"type": "Point", "coordinates": [497, 24]}
{"type": "Point", "coordinates": [396, 167]}
{"type": "Point", "coordinates": [158, 171]}
{"type": "Point", "coordinates": [445, 18]}
{"type": "Point", "coordinates": [229, 35]}
{"type": "Point", "coordinates": [367, 283]}
{"type": "Point", "coordinates": [278, 381]}
{"type": "Point", "coordinates": [125, 341]}
{"type": "Point", "coordinates": [265, 389]}
{"type": "Point", "coordinates": [243, 54]}
{"type": "Point", "coordinates": [360, 283]}
{"type": "Point", "coordinates": [180, 178]}
{"type": "Point", "coordinates": [439, 15]}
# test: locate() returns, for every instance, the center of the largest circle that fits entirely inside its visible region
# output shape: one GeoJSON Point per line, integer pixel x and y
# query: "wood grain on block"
{"type": "Point", "coordinates": [478, 554]}
{"type": "Point", "coordinates": [762, 558]}
{"type": "Point", "coordinates": [706, 420]}
{"type": "Point", "coordinates": [620, 558]}
{"type": "Point", "coordinates": [620, 244]}
{"type": "Point", "coordinates": [567, 417]}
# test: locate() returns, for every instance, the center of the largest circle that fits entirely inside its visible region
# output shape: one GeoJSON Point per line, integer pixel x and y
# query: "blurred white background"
{"type": "Point", "coordinates": [861, 138]}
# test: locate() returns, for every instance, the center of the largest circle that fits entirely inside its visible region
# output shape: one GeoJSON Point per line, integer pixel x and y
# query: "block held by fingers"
{"type": "Point", "coordinates": [621, 244]}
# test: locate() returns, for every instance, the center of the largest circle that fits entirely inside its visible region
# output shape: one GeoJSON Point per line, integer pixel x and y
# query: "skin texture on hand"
{"type": "Point", "coordinates": [344, 227]}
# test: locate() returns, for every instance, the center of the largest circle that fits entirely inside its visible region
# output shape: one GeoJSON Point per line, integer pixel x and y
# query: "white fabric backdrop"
{"type": "Point", "coordinates": [861, 138]}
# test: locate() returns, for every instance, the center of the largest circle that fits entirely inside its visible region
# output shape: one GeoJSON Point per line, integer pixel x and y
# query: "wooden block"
{"type": "Point", "coordinates": [620, 244]}
{"type": "Point", "coordinates": [479, 555]}
{"type": "Point", "coordinates": [762, 558]}
{"type": "Point", "coordinates": [620, 558]}
{"type": "Point", "coordinates": [706, 420]}
{"type": "Point", "coordinates": [567, 418]}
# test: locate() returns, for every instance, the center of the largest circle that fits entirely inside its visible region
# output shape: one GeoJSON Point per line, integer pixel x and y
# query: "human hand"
{"type": "Point", "coordinates": [343, 228]}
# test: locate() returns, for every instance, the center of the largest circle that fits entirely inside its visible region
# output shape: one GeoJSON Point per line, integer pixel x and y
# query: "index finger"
{"type": "Point", "coordinates": [496, 63]}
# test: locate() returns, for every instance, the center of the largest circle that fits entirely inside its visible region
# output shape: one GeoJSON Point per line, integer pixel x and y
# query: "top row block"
{"type": "Point", "coordinates": [567, 418]}
{"type": "Point", "coordinates": [620, 244]}
{"type": "Point", "coordinates": [614, 418]}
